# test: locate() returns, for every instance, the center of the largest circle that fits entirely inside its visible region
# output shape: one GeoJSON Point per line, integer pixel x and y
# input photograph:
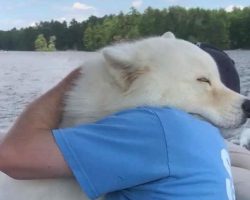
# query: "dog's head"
{"type": "Point", "coordinates": [165, 71]}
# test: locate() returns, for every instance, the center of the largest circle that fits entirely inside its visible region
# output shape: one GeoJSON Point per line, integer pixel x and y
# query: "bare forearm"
{"type": "Point", "coordinates": [29, 150]}
{"type": "Point", "coordinates": [39, 115]}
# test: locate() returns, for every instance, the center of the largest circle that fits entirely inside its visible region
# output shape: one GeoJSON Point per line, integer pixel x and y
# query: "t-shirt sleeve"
{"type": "Point", "coordinates": [118, 152]}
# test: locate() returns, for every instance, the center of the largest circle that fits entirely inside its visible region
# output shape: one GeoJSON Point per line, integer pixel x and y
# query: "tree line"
{"type": "Point", "coordinates": [226, 30]}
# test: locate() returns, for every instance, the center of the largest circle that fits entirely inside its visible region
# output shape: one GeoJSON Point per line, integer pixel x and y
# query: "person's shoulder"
{"type": "Point", "coordinates": [141, 116]}
{"type": "Point", "coordinates": [171, 114]}
{"type": "Point", "coordinates": [166, 112]}
{"type": "Point", "coordinates": [147, 111]}
{"type": "Point", "coordinates": [140, 110]}
{"type": "Point", "coordinates": [158, 115]}
{"type": "Point", "coordinates": [156, 111]}
{"type": "Point", "coordinates": [162, 113]}
{"type": "Point", "coordinates": [153, 113]}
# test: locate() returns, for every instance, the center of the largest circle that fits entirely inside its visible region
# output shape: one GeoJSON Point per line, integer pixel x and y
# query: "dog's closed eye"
{"type": "Point", "coordinates": [204, 80]}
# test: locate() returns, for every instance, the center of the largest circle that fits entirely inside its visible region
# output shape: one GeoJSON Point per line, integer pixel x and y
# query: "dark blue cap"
{"type": "Point", "coordinates": [228, 73]}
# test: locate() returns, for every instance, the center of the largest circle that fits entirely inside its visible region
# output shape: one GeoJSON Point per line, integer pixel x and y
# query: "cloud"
{"type": "Point", "coordinates": [82, 6]}
{"type": "Point", "coordinates": [61, 19]}
{"type": "Point", "coordinates": [230, 8]}
{"type": "Point", "coordinates": [75, 11]}
{"type": "Point", "coordinates": [137, 3]}
{"type": "Point", "coordinates": [78, 16]}
{"type": "Point", "coordinates": [33, 24]}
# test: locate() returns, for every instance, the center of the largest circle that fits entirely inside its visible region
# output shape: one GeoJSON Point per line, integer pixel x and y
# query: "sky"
{"type": "Point", "coordinates": [24, 13]}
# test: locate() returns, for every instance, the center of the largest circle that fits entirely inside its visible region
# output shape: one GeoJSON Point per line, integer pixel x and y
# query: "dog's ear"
{"type": "Point", "coordinates": [121, 64]}
{"type": "Point", "coordinates": [119, 57]}
{"type": "Point", "coordinates": [168, 35]}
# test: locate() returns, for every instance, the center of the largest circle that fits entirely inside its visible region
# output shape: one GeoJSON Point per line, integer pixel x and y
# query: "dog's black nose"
{"type": "Point", "coordinates": [246, 108]}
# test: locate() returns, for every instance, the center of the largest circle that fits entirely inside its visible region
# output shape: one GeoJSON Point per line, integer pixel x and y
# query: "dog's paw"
{"type": "Point", "coordinates": [245, 138]}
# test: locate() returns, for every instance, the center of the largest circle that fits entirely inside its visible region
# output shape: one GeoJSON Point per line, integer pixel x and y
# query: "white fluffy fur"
{"type": "Point", "coordinates": [245, 138]}
{"type": "Point", "coordinates": [158, 71]}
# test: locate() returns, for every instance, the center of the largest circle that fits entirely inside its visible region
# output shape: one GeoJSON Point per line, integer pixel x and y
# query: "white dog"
{"type": "Point", "coordinates": [158, 71]}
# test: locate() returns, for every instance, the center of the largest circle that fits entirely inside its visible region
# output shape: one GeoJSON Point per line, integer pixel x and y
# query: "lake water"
{"type": "Point", "coordinates": [26, 75]}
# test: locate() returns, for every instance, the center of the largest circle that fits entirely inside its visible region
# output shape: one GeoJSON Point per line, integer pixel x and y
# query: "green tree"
{"type": "Point", "coordinates": [41, 43]}
{"type": "Point", "coordinates": [91, 38]}
{"type": "Point", "coordinates": [51, 45]}
{"type": "Point", "coordinates": [211, 26]}
{"type": "Point", "coordinates": [240, 28]}
{"type": "Point", "coordinates": [176, 20]}
{"type": "Point", "coordinates": [153, 22]}
{"type": "Point", "coordinates": [217, 27]}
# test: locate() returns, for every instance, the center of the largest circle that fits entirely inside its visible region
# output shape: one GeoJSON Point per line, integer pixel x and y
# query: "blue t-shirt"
{"type": "Point", "coordinates": [148, 153]}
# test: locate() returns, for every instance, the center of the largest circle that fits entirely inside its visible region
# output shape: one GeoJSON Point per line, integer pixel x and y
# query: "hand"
{"type": "Point", "coordinates": [29, 151]}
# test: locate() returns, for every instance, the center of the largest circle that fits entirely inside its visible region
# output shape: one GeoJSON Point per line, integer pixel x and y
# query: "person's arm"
{"type": "Point", "coordinates": [29, 151]}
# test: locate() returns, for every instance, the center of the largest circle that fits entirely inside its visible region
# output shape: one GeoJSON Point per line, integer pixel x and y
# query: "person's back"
{"type": "Point", "coordinates": [149, 153]}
